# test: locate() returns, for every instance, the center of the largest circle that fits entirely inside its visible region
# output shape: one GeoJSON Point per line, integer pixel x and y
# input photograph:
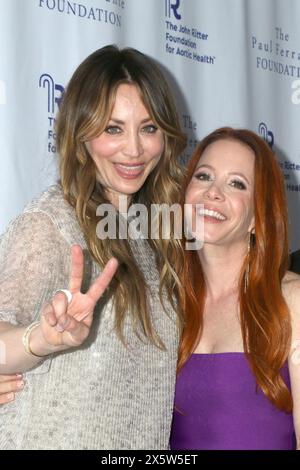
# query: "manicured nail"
{"type": "Point", "coordinates": [20, 384]}
{"type": "Point", "coordinates": [10, 396]}
{"type": "Point", "coordinates": [19, 376]}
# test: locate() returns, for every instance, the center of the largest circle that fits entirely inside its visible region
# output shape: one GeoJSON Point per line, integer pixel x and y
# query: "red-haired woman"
{"type": "Point", "coordinates": [238, 385]}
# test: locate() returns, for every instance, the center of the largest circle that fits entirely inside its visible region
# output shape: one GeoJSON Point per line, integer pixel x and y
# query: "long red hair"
{"type": "Point", "coordinates": [264, 315]}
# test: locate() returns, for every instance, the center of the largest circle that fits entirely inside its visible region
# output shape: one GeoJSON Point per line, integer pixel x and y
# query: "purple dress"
{"type": "Point", "coordinates": [217, 406]}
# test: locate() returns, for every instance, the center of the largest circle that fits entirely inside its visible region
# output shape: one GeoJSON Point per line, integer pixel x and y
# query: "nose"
{"type": "Point", "coordinates": [133, 145]}
{"type": "Point", "coordinates": [214, 192]}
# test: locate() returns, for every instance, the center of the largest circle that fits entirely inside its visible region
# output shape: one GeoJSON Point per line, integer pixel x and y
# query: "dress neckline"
{"type": "Point", "coordinates": [220, 353]}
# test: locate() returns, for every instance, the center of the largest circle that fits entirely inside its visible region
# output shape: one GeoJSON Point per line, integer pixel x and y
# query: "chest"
{"type": "Point", "coordinates": [221, 327]}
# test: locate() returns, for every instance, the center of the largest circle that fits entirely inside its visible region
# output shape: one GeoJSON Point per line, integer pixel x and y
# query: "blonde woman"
{"type": "Point", "coordinates": [97, 349]}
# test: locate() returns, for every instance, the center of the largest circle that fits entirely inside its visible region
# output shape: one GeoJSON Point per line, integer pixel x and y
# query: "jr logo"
{"type": "Point", "coordinates": [267, 135]}
{"type": "Point", "coordinates": [47, 81]}
{"type": "Point", "coordinates": [171, 7]}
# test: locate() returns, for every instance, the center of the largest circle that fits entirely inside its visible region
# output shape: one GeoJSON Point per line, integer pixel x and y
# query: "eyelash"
{"type": "Point", "coordinates": [109, 130]}
{"type": "Point", "coordinates": [234, 183]}
{"type": "Point", "coordinates": [148, 127]}
{"type": "Point", "coordinates": [199, 176]}
{"type": "Point", "coordinates": [113, 130]}
{"type": "Point", "coordinates": [238, 184]}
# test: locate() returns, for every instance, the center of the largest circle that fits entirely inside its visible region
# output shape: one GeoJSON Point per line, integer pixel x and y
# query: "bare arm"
{"type": "Point", "coordinates": [14, 357]}
{"type": "Point", "coordinates": [292, 296]}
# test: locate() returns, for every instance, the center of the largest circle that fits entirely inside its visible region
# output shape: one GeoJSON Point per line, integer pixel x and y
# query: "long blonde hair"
{"type": "Point", "coordinates": [85, 111]}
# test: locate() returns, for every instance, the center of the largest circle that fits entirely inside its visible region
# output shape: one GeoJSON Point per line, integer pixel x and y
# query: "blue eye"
{"type": "Point", "coordinates": [203, 176]}
{"type": "Point", "coordinates": [150, 129]}
{"type": "Point", "coordinates": [112, 130]}
{"type": "Point", "coordinates": [237, 184]}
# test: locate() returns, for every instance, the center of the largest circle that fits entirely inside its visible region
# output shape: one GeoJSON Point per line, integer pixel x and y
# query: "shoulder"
{"type": "Point", "coordinates": [291, 284]}
{"type": "Point", "coordinates": [291, 287]}
{"type": "Point", "coordinates": [51, 204]}
{"type": "Point", "coordinates": [291, 293]}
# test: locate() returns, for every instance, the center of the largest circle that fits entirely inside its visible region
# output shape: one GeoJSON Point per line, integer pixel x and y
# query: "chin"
{"type": "Point", "coordinates": [131, 189]}
{"type": "Point", "coordinates": [211, 240]}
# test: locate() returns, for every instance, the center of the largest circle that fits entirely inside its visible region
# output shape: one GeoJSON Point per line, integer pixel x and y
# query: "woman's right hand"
{"type": "Point", "coordinates": [63, 326]}
{"type": "Point", "coordinates": [9, 384]}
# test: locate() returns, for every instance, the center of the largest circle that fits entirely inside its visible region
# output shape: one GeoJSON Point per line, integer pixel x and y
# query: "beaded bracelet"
{"type": "Point", "coordinates": [26, 338]}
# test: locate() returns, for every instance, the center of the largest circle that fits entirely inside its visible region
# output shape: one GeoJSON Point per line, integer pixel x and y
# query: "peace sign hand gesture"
{"type": "Point", "coordinates": [66, 325]}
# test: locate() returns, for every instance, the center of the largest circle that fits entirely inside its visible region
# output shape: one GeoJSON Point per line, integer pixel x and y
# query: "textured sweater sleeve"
{"type": "Point", "coordinates": [34, 262]}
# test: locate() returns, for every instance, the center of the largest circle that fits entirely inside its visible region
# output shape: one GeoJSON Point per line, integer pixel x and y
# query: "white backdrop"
{"type": "Point", "coordinates": [230, 62]}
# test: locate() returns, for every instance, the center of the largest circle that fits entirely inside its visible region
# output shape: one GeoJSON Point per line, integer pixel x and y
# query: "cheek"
{"type": "Point", "coordinates": [244, 209]}
{"type": "Point", "coordinates": [191, 194]}
{"type": "Point", "coordinates": [161, 146]}
{"type": "Point", "coordinates": [154, 147]}
{"type": "Point", "coordinates": [102, 149]}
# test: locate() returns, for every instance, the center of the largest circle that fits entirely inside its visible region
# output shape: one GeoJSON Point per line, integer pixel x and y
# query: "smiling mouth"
{"type": "Point", "coordinates": [129, 171]}
{"type": "Point", "coordinates": [212, 214]}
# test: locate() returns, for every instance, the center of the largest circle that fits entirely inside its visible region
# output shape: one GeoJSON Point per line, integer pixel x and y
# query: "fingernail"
{"type": "Point", "coordinates": [20, 384]}
{"type": "Point", "coordinates": [10, 396]}
{"type": "Point", "coordinates": [59, 328]}
{"type": "Point", "coordinates": [19, 376]}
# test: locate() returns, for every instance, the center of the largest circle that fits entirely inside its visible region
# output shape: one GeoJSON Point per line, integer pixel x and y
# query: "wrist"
{"type": "Point", "coordinates": [35, 344]}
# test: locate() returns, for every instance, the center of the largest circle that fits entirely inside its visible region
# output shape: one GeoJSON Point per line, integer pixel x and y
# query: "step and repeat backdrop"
{"type": "Point", "coordinates": [229, 62]}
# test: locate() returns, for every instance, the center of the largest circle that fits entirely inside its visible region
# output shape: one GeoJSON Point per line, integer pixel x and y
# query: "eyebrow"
{"type": "Point", "coordinates": [119, 121]}
{"type": "Point", "coordinates": [237, 173]}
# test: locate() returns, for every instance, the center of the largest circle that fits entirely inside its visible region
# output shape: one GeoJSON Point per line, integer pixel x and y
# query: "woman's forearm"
{"type": "Point", "coordinates": [13, 356]}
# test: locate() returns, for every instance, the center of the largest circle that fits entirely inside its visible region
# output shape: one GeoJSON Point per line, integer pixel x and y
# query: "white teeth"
{"type": "Point", "coordinates": [211, 213]}
{"type": "Point", "coordinates": [127, 167]}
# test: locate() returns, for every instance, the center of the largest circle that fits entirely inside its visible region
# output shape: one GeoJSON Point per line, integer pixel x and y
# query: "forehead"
{"type": "Point", "coordinates": [128, 94]}
{"type": "Point", "coordinates": [229, 154]}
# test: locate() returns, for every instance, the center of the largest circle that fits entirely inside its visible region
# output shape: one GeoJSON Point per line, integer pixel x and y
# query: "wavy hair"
{"type": "Point", "coordinates": [264, 315]}
{"type": "Point", "coordinates": [84, 113]}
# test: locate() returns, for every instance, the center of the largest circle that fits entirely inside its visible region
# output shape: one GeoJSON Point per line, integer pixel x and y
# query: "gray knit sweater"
{"type": "Point", "coordinates": [98, 396]}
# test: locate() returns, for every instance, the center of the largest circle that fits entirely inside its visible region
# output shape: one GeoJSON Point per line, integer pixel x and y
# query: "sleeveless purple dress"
{"type": "Point", "coordinates": [218, 406]}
